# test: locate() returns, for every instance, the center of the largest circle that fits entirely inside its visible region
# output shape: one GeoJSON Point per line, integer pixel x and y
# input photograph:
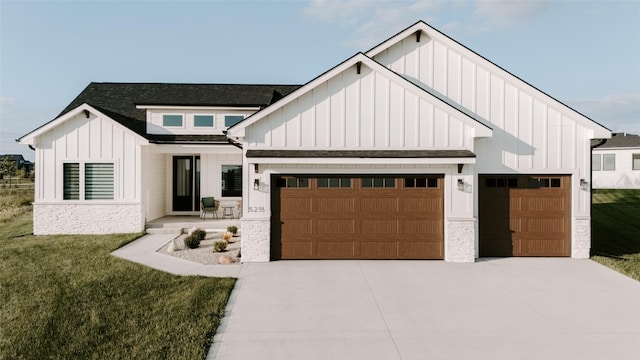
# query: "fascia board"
{"type": "Point", "coordinates": [366, 161]}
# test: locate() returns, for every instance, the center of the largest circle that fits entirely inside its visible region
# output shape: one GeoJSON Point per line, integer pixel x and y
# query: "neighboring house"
{"type": "Point", "coordinates": [417, 149]}
{"type": "Point", "coordinates": [616, 162]}
{"type": "Point", "coordinates": [123, 154]}
{"type": "Point", "coordinates": [19, 161]}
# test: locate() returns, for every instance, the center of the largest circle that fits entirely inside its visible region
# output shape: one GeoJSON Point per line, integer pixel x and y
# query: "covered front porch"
{"type": "Point", "coordinates": [177, 223]}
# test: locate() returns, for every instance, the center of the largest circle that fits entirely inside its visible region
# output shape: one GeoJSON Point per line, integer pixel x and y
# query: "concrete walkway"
{"type": "Point", "coordinates": [143, 251]}
{"type": "Point", "coordinates": [513, 308]}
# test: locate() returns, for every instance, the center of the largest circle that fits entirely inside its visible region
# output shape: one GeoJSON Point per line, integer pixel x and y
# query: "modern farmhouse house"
{"type": "Point", "coordinates": [417, 149]}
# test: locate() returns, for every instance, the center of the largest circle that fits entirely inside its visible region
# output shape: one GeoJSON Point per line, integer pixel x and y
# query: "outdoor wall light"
{"type": "Point", "coordinates": [460, 185]}
{"type": "Point", "coordinates": [256, 168]}
{"type": "Point", "coordinates": [256, 184]}
{"type": "Point", "coordinates": [584, 184]}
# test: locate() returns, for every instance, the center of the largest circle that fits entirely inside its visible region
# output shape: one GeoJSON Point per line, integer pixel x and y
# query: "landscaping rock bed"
{"type": "Point", "coordinates": [205, 254]}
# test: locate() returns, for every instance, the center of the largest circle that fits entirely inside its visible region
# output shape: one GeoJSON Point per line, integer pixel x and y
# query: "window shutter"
{"type": "Point", "coordinates": [98, 181]}
{"type": "Point", "coordinates": [71, 174]}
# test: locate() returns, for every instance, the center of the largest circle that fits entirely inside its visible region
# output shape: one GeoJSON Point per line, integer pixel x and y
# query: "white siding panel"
{"type": "Point", "coordinates": [427, 124]}
{"type": "Point", "coordinates": [568, 143]}
{"type": "Point", "coordinates": [395, 57]}
{"type": "Point", "coordinates": [454, 75]}
{"type": "Point", "coordinates": [381, 116]}
{"type": "Point", "coordinates": [107, 145]}
{"type": "Point", "coordinates": [525, 148]}
{"type": "Point", "coordinates": [411, 123]}
{"type": "Point", "coordinates": [278, 128]}
{"type": "Point", "coordinates": [468, 87]}
{"type": "Point", "coordinates": [336, 111]}
{"type": "Point", "coordinates": [412, 59]}
{"type": "Point", "coordinates": [352, 120]}
{"type": "Point", "coordinates": [307, 120]}
{"type": "Point", "coordinates": [510, 140]}
{"type": "Point", "coordinates": [396, 116]}
{"type": "Point", "coordinates": [554, 139]}
{"type": "Point", "coordinates": [483, 93]}
{"type": "Point", "coordinates": [292, 114]}
{"type": "Point", "coordinates": [440, 68]}
{"type": "Point", "coordinates": [367, 108]}
{"type": "Point", "coordinates": [72, 138]}
{"type": "Point", "coordinates": [441, 129]}
{"type": "Point", "coordinates": [426, 63]}
{"type": "Point", "coordinates": [456, 133]}
{"type": "Point", "coordinates": [95, 138]}
{"type": "Point", "coordinates": [129, 167]}
{"type": "Point", "coordinates": [323, 126]}
{"type": "Point", "coordinates": [539, 135]}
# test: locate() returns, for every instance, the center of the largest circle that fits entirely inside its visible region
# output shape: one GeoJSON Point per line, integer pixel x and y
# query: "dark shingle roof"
{"type": "Point", "coordinates": [119, 100]}
{"type": "Point", "coordinates": [621, 140]}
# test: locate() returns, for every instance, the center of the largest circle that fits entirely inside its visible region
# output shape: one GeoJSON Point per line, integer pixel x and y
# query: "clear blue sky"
{"type": "Point", "coordinates": [584, 53]}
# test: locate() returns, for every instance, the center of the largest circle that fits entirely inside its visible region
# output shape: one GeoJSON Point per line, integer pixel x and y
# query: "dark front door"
{"type": "Point", "coordinates": [186, 183]}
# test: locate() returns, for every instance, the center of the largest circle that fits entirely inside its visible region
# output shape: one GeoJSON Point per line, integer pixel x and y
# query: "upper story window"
{"type": "Point", "coordinates": [172, 120]}
{"type": "Point", "coordinates": [230, 120]}
{"type": "Point", "coordinates": [203, 121]}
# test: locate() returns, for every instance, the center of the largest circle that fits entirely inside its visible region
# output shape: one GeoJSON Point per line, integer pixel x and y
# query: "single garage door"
{"type": "Point", "coordinates": [524, 215]}
{"type": "Point", "coordinates": [357, 217]}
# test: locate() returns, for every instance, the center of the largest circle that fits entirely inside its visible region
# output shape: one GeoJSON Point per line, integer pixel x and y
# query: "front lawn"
{"type": "Point", "coordinates": [65, 297]}
{"type": "Point", "coordinates": [615, 221]}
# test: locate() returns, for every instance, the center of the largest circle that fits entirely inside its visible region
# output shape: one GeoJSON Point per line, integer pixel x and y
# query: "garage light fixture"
{"type": "Point", "coordinates": [460, 185]}
{"type": "Point", "coordinates": [256, 184]}
{"type": "Point", "coordinates": [584, 185]}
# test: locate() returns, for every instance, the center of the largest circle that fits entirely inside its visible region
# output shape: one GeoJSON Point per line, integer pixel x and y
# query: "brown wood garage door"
{"type": "Point", "coordinates": [524, 215]}
{"type": "Point", "coordinates": [349, 217]}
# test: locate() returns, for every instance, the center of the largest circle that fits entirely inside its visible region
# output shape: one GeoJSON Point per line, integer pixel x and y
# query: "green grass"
{"type": "Point", "coordinates": [65, 297]}
{"type": "Point", "coordinates": [14, 202]}
{"type": "Point", "coordinates": [615, 220]}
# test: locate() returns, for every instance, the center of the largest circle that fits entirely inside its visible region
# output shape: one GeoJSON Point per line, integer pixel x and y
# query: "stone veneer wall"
{"type": "Point", "coordinates": [460, 240]}
{"type": "Point", "coordinates": [581, 239]}
{"type": "Point", "coordinates": [50, 219]}
{"type": "Point", "coordinates": [256, 245]}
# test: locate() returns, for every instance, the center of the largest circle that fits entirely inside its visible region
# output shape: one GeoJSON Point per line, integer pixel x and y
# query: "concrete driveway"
{"type": "Point", "coordinates": [517, 308]}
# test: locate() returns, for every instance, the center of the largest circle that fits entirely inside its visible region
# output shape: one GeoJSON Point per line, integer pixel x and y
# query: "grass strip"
{"type": "Point", "coordinates": [64, 297]}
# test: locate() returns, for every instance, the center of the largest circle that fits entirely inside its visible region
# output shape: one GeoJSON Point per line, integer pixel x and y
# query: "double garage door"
{"type": "Point", "coordinates": [402, 217]}
{"type": "Point", "coordinates": [356, 217]}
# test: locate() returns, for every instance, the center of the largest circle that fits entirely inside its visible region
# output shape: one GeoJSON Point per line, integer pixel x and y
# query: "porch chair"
{"type": "Point", "coordinates": [209, 205]}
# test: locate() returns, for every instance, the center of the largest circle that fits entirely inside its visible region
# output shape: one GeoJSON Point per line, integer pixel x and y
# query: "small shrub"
{"type": "Point", "coordinates": [220, 246]}
{"type": "Point", "coordinates": [232, 229]}
{"type": "Point", "coordinates": [199, 233]}
{"type": "Point", "coordinates": [227, 236]}
{"type": "Point", "coordinates": [192, 241]}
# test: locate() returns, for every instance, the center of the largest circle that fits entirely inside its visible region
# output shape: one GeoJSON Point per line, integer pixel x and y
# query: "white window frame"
{"type": "Point", "coordinates": [193, 118]}
{"type": "Point", "coordinates": [182, 116]}
{"type": "Point", "coordinates": [224, 117]}
{"type": "Point", "coordinates": [633, 161]}
{"type": "Point", "coordinates": [82, 180]}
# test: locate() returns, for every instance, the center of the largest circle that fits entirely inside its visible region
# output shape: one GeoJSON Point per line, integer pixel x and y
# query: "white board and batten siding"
{"type": "Point", "coordinates": [353, 111]}
{"type": "Point", "coordinates": [533, 133]}
{"type": "Point", "coordinates": [87, 140]}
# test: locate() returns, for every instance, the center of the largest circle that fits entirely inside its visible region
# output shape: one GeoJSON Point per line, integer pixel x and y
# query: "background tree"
{"type": "Point", "coordinates": [8, 168]}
